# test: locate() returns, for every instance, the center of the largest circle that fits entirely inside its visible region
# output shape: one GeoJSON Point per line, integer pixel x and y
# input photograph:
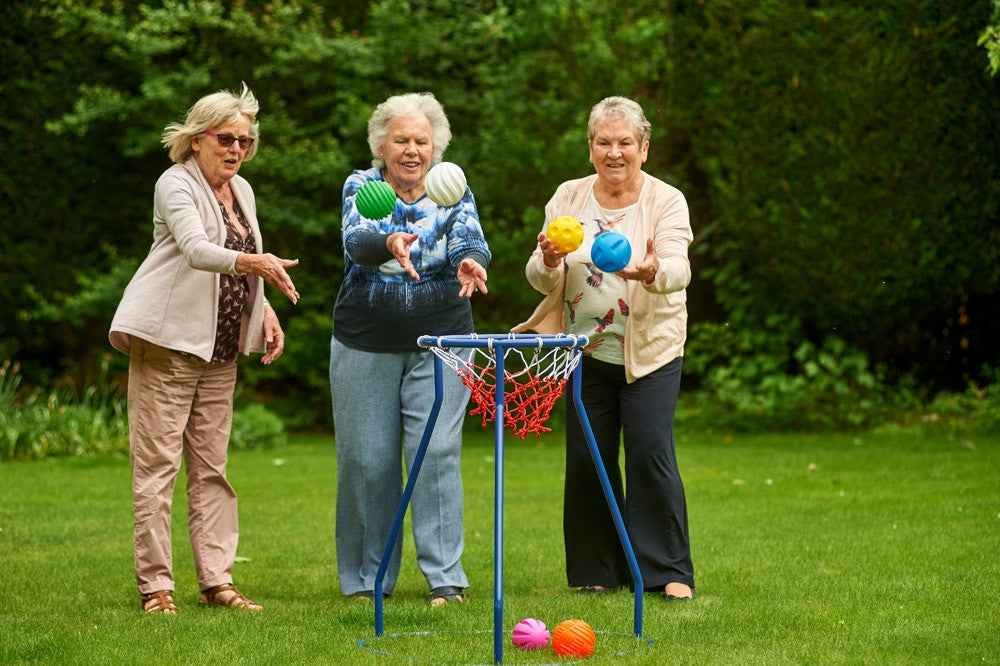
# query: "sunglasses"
{"type": "Point", "coordinates": [226, 140]}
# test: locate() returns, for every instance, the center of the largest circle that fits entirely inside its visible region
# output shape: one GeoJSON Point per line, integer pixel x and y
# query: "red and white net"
{"type": "Point", "coordinates": [534, 379]}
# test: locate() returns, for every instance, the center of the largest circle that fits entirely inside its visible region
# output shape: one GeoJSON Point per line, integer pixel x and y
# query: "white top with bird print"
{"type": "Point", "coordinates": [595, 303]}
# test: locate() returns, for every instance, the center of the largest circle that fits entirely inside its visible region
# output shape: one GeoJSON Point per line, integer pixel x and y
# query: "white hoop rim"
{"type": "Point", "coordinates": [503, 340]}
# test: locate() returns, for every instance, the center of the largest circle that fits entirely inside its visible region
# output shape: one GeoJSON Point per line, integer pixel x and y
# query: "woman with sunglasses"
{"type": "Point", "coordinates": [193, 305]}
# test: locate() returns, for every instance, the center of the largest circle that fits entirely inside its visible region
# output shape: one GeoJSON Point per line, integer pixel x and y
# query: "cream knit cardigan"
{"type": "Point", "coordinates": [173, 298]}
{"type": "Point", "coordinates": [656, 328]}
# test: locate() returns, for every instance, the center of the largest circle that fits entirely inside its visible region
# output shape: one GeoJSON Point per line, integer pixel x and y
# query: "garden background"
{"type": "Point", "coordinates": [840, 161]}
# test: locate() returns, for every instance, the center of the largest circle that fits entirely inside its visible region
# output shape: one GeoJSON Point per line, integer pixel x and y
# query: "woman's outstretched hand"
{"type": "Point", "coordinates": [272, 269]}
{"type": "Point", "coordinates": [645, 270]}
{"type": "Point", "coordinates": [398, 244]}
{"type": "Point", "coordinates": [472, 276]}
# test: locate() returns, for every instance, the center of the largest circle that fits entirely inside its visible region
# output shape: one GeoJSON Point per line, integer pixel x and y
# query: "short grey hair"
{"type": "Point", "coordinates": [619, 107]}
{"type": "Point", "coordinates": [208, 112]}
{"type": "Point", "coordinates": [404, 105]}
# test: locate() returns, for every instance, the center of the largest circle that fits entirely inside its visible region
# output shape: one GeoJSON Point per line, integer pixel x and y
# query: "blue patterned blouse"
{"type": "Point", "coordinates": [380, 308]}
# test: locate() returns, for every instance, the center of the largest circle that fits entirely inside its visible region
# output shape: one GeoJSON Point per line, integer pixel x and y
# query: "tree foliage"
{"type": "Point", "coordinates": [840, 161]}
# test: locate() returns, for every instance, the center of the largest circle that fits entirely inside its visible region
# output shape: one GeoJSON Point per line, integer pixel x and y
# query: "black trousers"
{"type": "Point", "coordinates": [652, 503]}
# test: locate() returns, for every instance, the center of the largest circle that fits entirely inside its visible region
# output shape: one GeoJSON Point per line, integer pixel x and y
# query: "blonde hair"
{"type": "Point", "coordinates": [619, 107]}
{"type": "Point", "coordinates": [208, 112]}
{"type": "Point", "coordinates": [403, 105]}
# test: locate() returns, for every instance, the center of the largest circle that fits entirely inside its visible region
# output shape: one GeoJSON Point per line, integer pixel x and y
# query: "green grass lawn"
{"type": "Point", "coordinates": [808, 549]}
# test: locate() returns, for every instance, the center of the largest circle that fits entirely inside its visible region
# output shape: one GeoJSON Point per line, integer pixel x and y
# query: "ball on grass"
{"type": "Point", "coordinates": [445, 184]}
{"type": "Point", "coordinates": [375, 200]}
{"type": "Point", "coordinates": [611, 252]}
{"type": "Point", "coordinates": [566, 232]}
{"type": "Point", "coordinates": [530, 634]}
{"type": "Point", "coordinates": [573, 638]}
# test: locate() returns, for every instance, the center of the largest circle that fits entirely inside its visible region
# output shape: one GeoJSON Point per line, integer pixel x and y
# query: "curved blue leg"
{"type": "Point", "coordinates": [404, 501]}
{"type": "Point", "coordinates": [609, 495]}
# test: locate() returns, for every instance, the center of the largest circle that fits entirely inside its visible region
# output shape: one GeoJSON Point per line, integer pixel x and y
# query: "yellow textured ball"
{"type": "Point", "coordinates": [566, 232]}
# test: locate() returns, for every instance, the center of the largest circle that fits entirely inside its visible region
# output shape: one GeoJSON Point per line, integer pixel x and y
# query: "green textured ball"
{"type": "Point", "coordinates": [375, 200]}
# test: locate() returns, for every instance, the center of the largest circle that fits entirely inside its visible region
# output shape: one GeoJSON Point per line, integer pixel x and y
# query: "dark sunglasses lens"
{"type": "Point", "coordinates": [226, 140]}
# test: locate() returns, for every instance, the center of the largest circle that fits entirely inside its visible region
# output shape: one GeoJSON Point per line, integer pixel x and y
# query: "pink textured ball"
{"type": "Point", "coordinates": [530, 634]}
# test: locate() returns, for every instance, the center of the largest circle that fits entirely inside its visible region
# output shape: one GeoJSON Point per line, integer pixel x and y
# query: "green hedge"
{"type": "Point", "coordinates": [840, 162]}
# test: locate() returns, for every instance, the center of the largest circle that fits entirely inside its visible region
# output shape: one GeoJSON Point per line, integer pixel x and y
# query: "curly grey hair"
{"type": "Point", "coordinates": [402, 105]}
{"type": "Point", "coordinates": [208, 112]}
{"type": "Point", "coordinates": [619, 107]}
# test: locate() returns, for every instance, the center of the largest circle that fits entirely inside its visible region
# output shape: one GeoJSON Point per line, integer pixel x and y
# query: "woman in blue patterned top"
{"type": "Point", "coordinates": [409, 274]}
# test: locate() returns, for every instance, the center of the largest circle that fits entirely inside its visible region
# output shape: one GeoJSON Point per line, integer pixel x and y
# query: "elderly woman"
{"type": "Point", "coordinates": [196, 301]}
{"type": "Point", "coordinates": [407, 275]}
{"type": "Point", "coordinates": [636, 320]}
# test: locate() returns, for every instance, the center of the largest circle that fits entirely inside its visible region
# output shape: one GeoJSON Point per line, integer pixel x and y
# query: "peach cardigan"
{"type": "Point", "coordinates": [656, 328]}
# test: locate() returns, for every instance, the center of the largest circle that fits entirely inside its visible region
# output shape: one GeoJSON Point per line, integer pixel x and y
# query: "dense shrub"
{"type": "Point", "coordinates": [36, 425]}
{"type": "Point", "coordinates": [254, 427]}
{"type": "Point", "coordinates": [840, 159]}
{"type": "Point", "coordinates": [771, 377]}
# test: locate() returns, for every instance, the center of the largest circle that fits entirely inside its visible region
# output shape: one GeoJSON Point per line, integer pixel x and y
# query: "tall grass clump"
{"type": "Point", "coordinates": [35, 424]}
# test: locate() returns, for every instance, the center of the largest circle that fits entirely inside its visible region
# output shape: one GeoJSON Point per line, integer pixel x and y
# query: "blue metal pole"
{"type": "Point", "coordinates": [609, 495]}
{"type": "Point", "coordinates": [498, 510]}
{"type": "Point", "coordinates": [404, 501]}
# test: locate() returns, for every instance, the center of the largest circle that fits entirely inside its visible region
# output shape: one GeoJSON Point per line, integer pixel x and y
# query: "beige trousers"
{"type": "Point", "coordinates": [180, 408]}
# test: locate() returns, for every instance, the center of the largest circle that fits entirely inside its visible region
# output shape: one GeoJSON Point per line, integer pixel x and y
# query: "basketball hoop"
{"type": "Point", "coordinates": [536, 369]}
{"type": "Point", "coordinates": [542, 366]}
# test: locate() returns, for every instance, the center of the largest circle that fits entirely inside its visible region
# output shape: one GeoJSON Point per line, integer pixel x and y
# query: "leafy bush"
{"type": "Point", "coordinates": [35, 425]}
{"type": "Point", "coordinates": [804, 135]}
{"type": "Point", "coordinates": [255, 427]}
{"type": "Point", "coordinates": [761, 379]}
{"type": "Point", "coordinates": [958, 413]}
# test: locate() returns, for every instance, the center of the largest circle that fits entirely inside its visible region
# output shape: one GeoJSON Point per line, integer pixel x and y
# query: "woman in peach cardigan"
{"type": "Point", "coordinates": [636, 320]}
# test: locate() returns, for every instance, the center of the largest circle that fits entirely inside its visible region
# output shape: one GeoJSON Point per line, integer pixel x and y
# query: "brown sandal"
{"type": "Point", "coordinates": [228, 596]}
{"type": "Point", "coordinates": [161, 601]}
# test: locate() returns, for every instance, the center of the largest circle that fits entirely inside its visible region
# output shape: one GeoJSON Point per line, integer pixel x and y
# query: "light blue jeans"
{"type": "Point", "coordinates": [382, 401]}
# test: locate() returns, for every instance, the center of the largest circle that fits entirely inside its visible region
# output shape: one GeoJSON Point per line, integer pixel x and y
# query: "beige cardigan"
{"type": "Point", "coordinates": [656, 328]}
{"type": "Point", "coordinates": [173, 298]}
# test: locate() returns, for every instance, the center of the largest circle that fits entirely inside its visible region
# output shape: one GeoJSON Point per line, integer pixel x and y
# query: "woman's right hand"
{"type": "Point", "coordinates": [398, 244]}
{"type": "Point", "coordinates": [550, 251]}
{"type": "Point", "coordinates": [272, 269]}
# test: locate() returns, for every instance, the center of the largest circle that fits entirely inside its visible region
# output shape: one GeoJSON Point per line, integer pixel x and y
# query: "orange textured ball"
{"type": "Point", "coordinates": [573, 638]}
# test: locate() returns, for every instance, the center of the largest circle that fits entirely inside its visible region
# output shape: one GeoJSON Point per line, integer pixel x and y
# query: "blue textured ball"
{"type": "Point", "coordinates": [611, 252]}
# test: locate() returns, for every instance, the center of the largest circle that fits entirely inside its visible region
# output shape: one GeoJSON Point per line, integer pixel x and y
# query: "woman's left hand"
{"type": "Point", "coordinates": [471, 276]}
{"type": "Point", "coordinates": [274, 336]}
{"type": "Point", "coordinates": [645, 270]}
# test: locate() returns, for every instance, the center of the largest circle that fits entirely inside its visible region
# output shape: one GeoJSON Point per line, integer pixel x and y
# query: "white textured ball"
{"type": "Point", "coordinates": [445, 184]}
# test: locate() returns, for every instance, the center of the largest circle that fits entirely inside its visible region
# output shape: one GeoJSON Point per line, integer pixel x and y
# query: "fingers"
{"type": "Point", "coordinates": [472, 276]}
{"type": "Point", "coordinates": [274, 336]}
{"type": "Point", "coordinates": [644, 271]}
{"type": "Point", "coordinates": [408, 267]}
{"type": "Point", "coordinates": [272, 270]}
{"type": "Point", "coordinates": [650, 249]}
{"type": "Point", "coordinates": [398, 244]}
{"type": "Point", "coordinates": [550, 251]}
